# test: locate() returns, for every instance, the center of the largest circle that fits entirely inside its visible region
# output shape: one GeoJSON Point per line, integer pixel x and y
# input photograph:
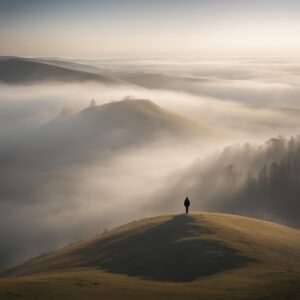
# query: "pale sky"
{"type": "Point", "coordinates": [94, 29]}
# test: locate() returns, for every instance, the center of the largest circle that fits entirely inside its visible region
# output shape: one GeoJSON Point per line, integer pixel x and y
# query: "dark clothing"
{"type": "Point", "coordinates": [187, 204]}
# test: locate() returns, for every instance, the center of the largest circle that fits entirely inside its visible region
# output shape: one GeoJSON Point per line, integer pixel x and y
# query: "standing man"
{"type": "Point", "coordinates": [187, 203]}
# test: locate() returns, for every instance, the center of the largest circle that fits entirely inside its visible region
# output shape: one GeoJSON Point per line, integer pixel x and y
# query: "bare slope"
{"type": "Point", "coordinates": [214, 256]}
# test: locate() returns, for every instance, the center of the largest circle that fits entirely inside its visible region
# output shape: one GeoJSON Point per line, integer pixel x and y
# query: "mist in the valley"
{"type": "Point", "coordinates": [71, 167]}
{"type": "Point", "coordinates": [262, 82]}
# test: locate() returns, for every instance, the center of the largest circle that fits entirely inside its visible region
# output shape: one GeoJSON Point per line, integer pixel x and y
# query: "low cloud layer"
{"type": "Point", "coordinates": [62, 180]}
{"type": "Point", "coordinates": [262, 82]}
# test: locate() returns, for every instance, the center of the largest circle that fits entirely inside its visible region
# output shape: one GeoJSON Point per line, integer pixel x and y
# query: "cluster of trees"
{"type": "Point", "coordinates": [255, 180]}
{"type": "Point", "coordinates": [275, 190]}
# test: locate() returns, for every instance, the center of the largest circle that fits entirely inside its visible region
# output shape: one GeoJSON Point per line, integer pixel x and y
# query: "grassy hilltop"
{"type": "Point", "coordinates": [200, 256]}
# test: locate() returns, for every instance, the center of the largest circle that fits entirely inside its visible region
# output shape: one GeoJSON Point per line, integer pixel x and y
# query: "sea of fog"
{"type": "Point", "coordinates": [52, 195]}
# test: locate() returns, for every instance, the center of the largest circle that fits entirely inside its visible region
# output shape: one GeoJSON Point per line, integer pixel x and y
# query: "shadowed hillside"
{"type": "Point", "coordinates": [173, 250]}
{"type": "Point", "coordinates": [20, 70]}
{"type": "Point", "coordinates": [187, 259]}
{"type": "Point", "coordinates": [225, 256]}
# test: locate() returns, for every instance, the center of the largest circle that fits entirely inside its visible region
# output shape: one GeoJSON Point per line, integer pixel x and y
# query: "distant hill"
{"type": "Point", "coordinates": [115, 125]}
{"type": "Point", "coordinates": [141, 116]}
{"type": "Point", "coordinates": [20, 70]}
{"type": "Point", "coordinates": [164, 81]}
{"type": "Point", "coordinates": [200, 256]}
{"type": "Point", "coordinates": [101, 131]}
{"type": "Point", "coordinates": [68, 64]}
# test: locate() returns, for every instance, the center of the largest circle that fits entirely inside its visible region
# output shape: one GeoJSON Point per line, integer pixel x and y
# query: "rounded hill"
{"type": "Point", "coordinates": [203, 253]}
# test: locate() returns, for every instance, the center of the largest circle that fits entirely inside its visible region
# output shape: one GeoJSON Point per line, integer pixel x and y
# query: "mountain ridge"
{"type": "Point", "coordinates": [16, 70]}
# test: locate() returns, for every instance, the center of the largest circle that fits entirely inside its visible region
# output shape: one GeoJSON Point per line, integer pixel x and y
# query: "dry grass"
{"type": "Point", "coordinates": [271, 269]}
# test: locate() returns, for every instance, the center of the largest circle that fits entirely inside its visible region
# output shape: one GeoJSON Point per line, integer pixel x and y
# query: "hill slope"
{"type": "Point", "coordinates": [21, 70]}
{"type": "Point", "coordinates": [211, 256]}
{"type": "Point", "coordinates": [119, 124]}
{"type": "Point", "coordinates": [106, 129]}
{"type": "Point", "coordinates": [142, 115]}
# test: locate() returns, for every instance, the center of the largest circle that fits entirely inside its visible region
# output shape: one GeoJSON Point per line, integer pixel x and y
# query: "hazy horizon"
{"type": "Point", "coordinates": [89, 29]}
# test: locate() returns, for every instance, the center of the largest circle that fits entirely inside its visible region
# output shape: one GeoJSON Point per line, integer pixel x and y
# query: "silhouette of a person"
{"type": "Point", "coordinates": [187, 203]}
